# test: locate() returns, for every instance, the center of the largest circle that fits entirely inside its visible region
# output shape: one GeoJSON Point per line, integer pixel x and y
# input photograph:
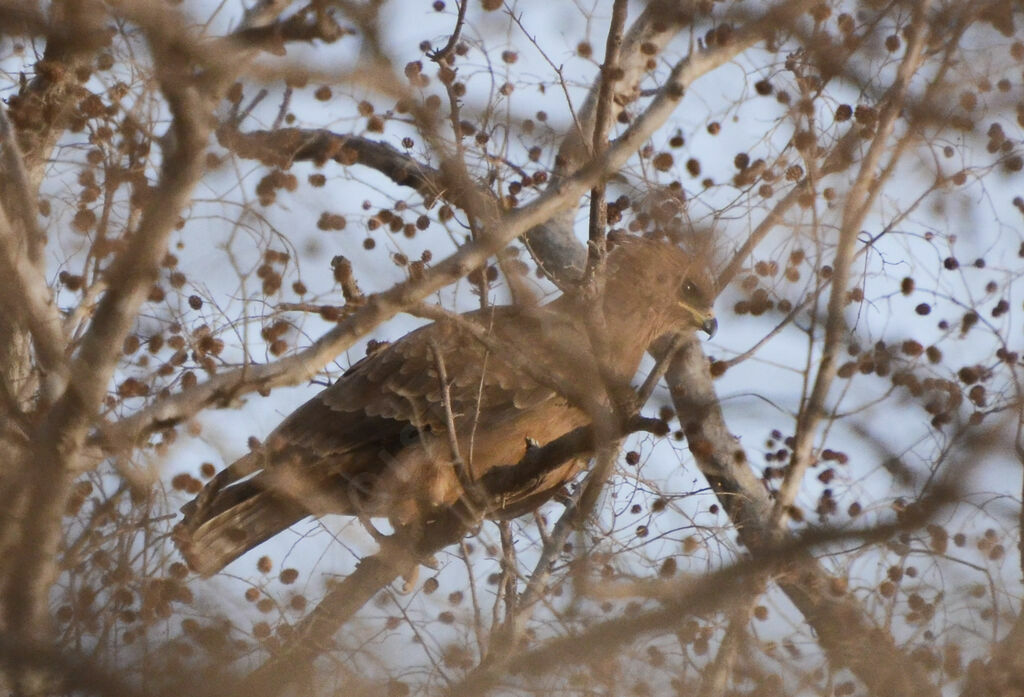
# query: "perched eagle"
{"type": "Point", "coordinates": [391, 438]}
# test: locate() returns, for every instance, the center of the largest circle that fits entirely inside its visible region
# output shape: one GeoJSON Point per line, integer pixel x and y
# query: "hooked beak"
{"type": "Point", "coordinates": [709, 326]}
{"type": "Point", "coordinates": [704, 319]}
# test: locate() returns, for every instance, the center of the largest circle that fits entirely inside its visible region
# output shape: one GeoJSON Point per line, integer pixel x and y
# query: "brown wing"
{"type": "Point", "coordinates": [402, 382]}
{"type": "Point", "coordinates": [376, 442]}
{"type": "Point", "coordinates": [391, 400]}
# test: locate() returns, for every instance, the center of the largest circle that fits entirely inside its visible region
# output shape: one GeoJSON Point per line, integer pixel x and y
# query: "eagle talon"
{"type": "Point", "coordinates": [378, 537]}
{"type": "Point", "coordinates": [395, 550]}
{"type": "Point", "coordinates": [564, 497]}
{"type": "Point", "coordinates": [409, 578]}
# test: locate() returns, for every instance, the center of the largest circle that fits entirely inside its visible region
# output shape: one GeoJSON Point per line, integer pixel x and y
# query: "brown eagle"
{"type": "Point", "coordinates": [392, 438]}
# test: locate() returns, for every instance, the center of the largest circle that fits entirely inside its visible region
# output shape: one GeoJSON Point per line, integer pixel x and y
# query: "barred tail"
{"type": "Point", "coordinates": [228, 518]}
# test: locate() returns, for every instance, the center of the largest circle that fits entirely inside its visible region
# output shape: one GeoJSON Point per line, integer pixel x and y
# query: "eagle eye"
{"type": "Point", "coordinates": [690, 291]}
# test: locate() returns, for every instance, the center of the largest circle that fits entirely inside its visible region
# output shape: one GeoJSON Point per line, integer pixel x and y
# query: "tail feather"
{"type": "Point", "coordinates": [228, 519]}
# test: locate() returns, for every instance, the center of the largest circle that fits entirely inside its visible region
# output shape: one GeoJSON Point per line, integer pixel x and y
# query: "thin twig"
{"type": "Point", "coordinates": [465, 477]}
{"type": "Point", "coordinates": [599, 142]}
{"type": "Point", "coordinates": [442, 54]}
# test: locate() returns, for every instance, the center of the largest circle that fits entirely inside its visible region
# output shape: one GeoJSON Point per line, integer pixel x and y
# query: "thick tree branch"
{"type": "Point", "coordinates": [25, 296]}
{"type": "Point", "coordinates": [23, 18]}
{"type": "Point", "coordinates": [842, 625]}
{"type": "Point", "coordinates": [307, 25]}
{"type": "Point", "coordinates": [313, 635]}
{"type": "Point", "coordinates": [134, 271]}
{"type": "Point", "coordinates": [283, 146]}
{"type": "Point", "coordinates": [41, 483]}
{"type": "Point", "coordinates": [18, 196]}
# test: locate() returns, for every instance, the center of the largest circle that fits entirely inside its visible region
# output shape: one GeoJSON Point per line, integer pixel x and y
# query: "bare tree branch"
{"type": "Point", "coordinates": [44, 485]}
{"type": "Point", "coordinates": [843, 628]}
{"type": "Point", "coordinates": [855, 210]}
{"type": "Point", "coordinates": [680, 600]}
{"type": "Point", "coordinates": [313, 635]}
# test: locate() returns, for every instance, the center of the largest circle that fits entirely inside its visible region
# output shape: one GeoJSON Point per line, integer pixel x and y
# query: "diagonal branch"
{"type": "Point", "coordinates": [24, 293]}
{"type": "Point", "coordinates": [283, 146]}
{"type": "Point", "coordinates": [844, 630]}
{"type": "Point", "coordinates": [17, 194]}
{"type": "Point", "coordinates": [313, 635]}
{"type": "Point", "coordinates": [855, 209]}
{"type": "Point", "coordinates": [681, 600]}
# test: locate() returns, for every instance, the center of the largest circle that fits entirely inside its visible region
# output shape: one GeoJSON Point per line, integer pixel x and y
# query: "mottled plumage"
{"type": "Point", "coordinates": [377, 442]}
